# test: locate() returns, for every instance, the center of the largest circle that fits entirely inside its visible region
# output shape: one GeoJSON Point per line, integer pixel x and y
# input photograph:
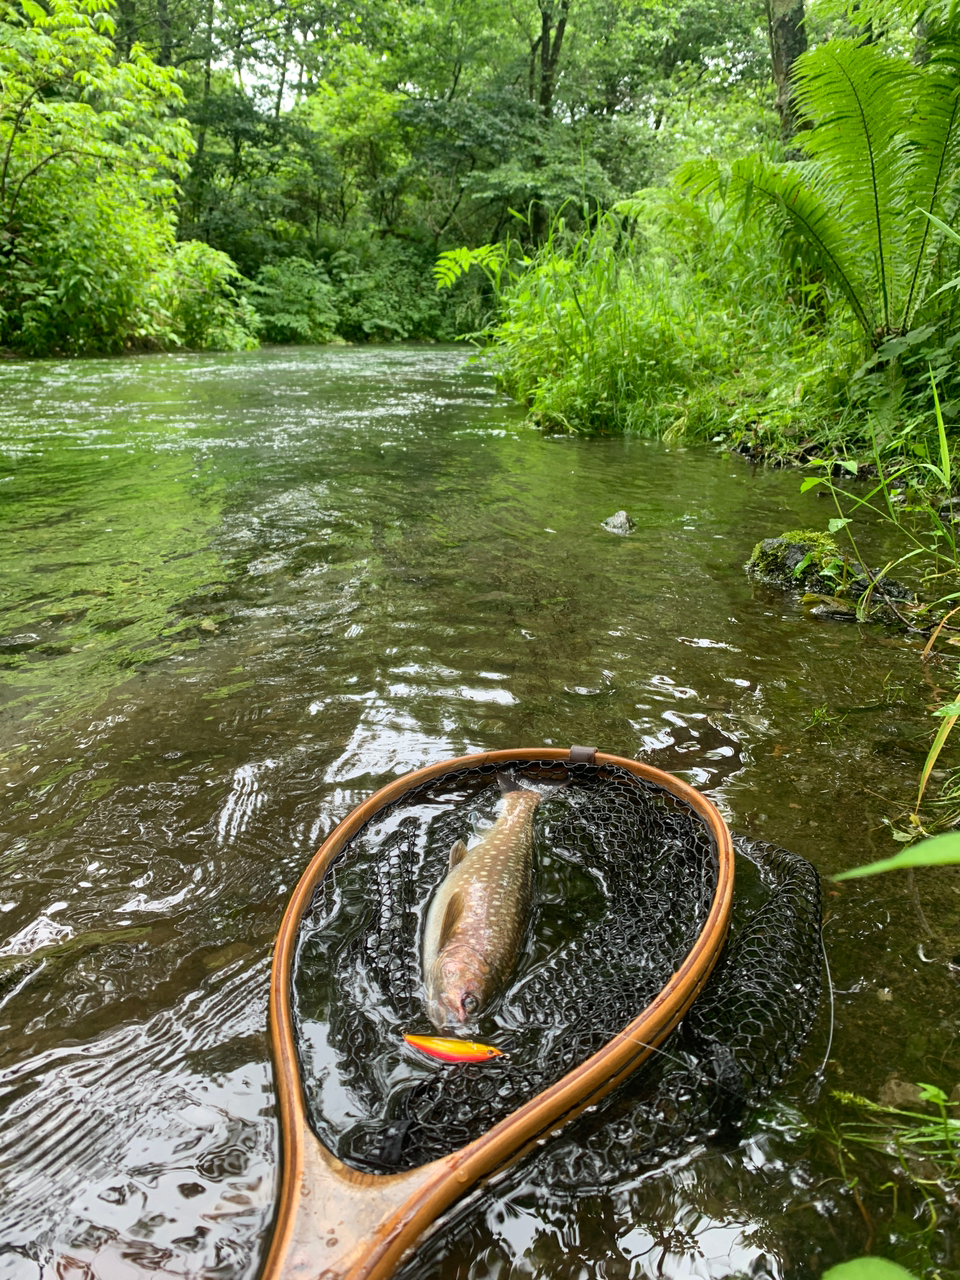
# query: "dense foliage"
{"type": "Point", "coordinates": [90, 152]}
{"type": "Point", "coordinates": [795, 301]}
{"type": "Point", "coordinates": [331, 154]}
{"type": "Point", "coordinates": [684, 234]}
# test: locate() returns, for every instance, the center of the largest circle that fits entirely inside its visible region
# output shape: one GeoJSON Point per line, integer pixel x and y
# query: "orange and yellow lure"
{"type": "Point", "coordinates": [453, 1050]}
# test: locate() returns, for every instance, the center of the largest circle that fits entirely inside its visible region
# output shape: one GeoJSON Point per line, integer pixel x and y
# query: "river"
{"type": "Point", "coordinates": [240, 592]}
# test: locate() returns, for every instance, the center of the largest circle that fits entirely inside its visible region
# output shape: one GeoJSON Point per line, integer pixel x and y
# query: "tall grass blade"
{"type": "Point", "coordinates": [937, 852]}
{"type": "Point", "coordinates": [942, 431]}
{"type": "Point", "coordinates": [933, 754]}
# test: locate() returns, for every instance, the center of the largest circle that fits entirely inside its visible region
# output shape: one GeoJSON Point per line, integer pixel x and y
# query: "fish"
{"type": "Point", "coordinates": [478, 915]}
{"type": "Point", "coordinates": [453, 1050]}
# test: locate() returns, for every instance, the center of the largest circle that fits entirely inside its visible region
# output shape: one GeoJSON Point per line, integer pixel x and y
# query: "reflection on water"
{"type": "Point", "coordinates": [240, 592]}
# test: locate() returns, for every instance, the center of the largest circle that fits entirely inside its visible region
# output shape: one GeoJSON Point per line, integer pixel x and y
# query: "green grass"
{"type": "Point", "coordinates": [665, 320]}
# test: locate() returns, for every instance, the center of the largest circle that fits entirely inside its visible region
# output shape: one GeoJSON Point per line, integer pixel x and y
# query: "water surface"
{"type": "Point", "coordinates": [239, 593]}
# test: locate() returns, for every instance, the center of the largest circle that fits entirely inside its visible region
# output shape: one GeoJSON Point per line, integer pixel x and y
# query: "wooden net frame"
{"type": "Point", "coordinates": [336, 1223]}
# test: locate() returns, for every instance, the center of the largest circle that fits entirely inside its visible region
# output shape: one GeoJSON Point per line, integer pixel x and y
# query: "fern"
{"type": "Point", "coordinates": [453, 263]}
{"type": "Point", "coordinates": [859, 101]}
{"type": "Point", "coordinates": [783, 195]}
{"type": "Point", "coordinates": [935, 137]}
{"type": "Point", "coordinates": [883, 148]}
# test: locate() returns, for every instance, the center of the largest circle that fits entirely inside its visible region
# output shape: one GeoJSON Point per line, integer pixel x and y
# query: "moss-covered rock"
{"type": "Point", "coordinates": [802, 560]}
{"type": "Point", "coordinates": [808, 561]}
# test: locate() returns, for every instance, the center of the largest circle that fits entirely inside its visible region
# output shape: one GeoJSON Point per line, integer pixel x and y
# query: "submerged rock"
{"type": "Point", "coordinates": [619, 523]}
{"type": "Point", "coordinates": [830, 607]}
{"type": "Point", "coordinates": [895, 1092]}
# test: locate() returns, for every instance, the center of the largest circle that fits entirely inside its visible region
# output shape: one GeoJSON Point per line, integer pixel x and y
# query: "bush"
{"type": "Point", "coordinates": [77, 277]}
{"type": "Point", "coordinates": [674, 326]}
{"type": "Point", "coordinates": [599, 335]}
{"type": "Point", "coordinates": [92, 150]}
{"type": "Point", "coordinates": [203, 293]}
{"type": "Point", "coordinates": [294, 300]}
{"type": "Point", "coordinates": [385, 292]}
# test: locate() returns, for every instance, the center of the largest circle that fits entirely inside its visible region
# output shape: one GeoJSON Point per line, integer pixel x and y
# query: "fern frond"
{"type": "Point", "coordinates": [450, 266]}
{"type": "Point", "coordinates": [860, 103]}
{"type": "Point", "coordinates": [702, 177]}
{"type": "Point", "coordinates": [933, 166]}
{"type": "Point", "coordinates": [453, 263]}
{"type": "Point", "coordinates": [785, 196]}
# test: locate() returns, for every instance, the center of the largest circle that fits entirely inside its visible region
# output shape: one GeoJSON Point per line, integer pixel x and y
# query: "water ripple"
{"type": "Point", "coordinates": [245, 798]}
{"type": "Point", "coordinates": [238, 594]}
{"type": "Point", "coordinates": [150, 1145]}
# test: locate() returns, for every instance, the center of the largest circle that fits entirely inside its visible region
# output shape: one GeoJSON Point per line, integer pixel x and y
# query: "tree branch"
{"type": "Point", "coordinates": [54, 155]}
{"type": "Point", "coordinates": [13, 133]}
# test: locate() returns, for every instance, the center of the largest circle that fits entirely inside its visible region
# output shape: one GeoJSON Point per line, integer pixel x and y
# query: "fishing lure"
{"type": "Point", "coordinates": [453, 1050]}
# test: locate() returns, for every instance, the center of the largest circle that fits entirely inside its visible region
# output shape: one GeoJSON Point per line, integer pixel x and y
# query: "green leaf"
{"type": "Point", "coordinates": [937, 222]}
{"type": "Point", "coordinates": [804, 563]}
{"type": "Point", "coordinates": [939, 851]}
{"type": "Point", "coordinates": [810, 483]}
{"type": "Point", "coordinates": [952, 710]}
{"type": "Point", "coordinates": [453, 263]}
{"type": "Point", "coordinates": [868, 1269]}
{"type": "Point", "coordinates": [930, 1093]}
{"type": "Point", "coordinates": [942, 434]}
{"type": "Point", "coordinates": [942, 734]}
{"type": "Point", "coordinates": [836, 524]}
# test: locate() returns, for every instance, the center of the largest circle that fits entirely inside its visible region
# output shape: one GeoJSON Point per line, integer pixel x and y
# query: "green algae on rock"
{"type": "Point", "coordinates": [808, 561]}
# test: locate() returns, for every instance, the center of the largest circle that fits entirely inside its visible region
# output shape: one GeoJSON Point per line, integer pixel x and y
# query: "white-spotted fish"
{"type": "Point", "coordinates": [476, 921]}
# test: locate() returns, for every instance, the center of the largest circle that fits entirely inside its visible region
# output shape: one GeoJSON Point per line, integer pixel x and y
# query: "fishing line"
{"type": "Point", "coordinates": [820, 1073]}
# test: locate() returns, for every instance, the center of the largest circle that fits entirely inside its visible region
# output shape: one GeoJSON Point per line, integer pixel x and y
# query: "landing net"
{"type": "Point", "coordinates": [625, 875]}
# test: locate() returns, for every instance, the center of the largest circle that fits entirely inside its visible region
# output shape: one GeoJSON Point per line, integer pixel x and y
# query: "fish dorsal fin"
{"type": "Point", "coordinates": [457, 853]}
{"type": "Point", "coordinates": [450, 919]}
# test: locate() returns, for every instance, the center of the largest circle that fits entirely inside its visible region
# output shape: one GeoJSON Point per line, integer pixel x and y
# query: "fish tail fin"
{"type": "Point", "coordinates": [509, 783]}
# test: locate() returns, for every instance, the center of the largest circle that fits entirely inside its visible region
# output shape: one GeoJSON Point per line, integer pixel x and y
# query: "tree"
{"type": "Point", "coordinates": [64, 101]}
{"type": "Point", "coordinates": [363, 138]}
{"type": "Point", "coordinates": [90, 154]}
{"type": "Point", "coordinates": [546, 50]}
{"type": "Point", "coordinates": [787, 33]}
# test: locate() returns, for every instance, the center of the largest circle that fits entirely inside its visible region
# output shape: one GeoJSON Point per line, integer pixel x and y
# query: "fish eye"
{"type": "Point", "coordinates": [469, 1004]}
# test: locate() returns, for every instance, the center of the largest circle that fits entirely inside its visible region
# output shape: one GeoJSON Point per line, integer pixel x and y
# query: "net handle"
{"type": "Point", "coordinates": [336, 1223]}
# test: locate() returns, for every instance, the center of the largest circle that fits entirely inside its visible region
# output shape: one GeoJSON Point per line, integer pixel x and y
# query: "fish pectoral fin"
{"type": "Point", "coordinates": [457, 853]}
{"type": "Point", "coordinates": [450, 918]}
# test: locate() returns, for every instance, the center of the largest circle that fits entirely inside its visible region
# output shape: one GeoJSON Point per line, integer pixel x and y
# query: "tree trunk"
{"type": "Point", "coordinates": [546, 48]}
{"type": "Point", "coordinates": [553, 24]}
{"type": "Point", "coordinates": [165, 51]}
{"type": "Point", "coordinates": [196, 181]}
{"type": "Point", "coordinates": [788, 39]}
{"type": "Point", "coordinates": [126, 27]}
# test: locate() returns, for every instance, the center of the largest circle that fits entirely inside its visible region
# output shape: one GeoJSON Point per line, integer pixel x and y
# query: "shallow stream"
{"type": "Point", "coordinates": [238, 594]}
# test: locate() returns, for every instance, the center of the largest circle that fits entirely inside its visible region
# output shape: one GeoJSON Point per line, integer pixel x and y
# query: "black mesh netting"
{"type": "Point", "coordinates": [625, 875]}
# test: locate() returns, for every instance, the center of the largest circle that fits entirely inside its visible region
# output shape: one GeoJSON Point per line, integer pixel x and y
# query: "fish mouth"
{"type": "Point", "coordinates": [445, 1017]}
